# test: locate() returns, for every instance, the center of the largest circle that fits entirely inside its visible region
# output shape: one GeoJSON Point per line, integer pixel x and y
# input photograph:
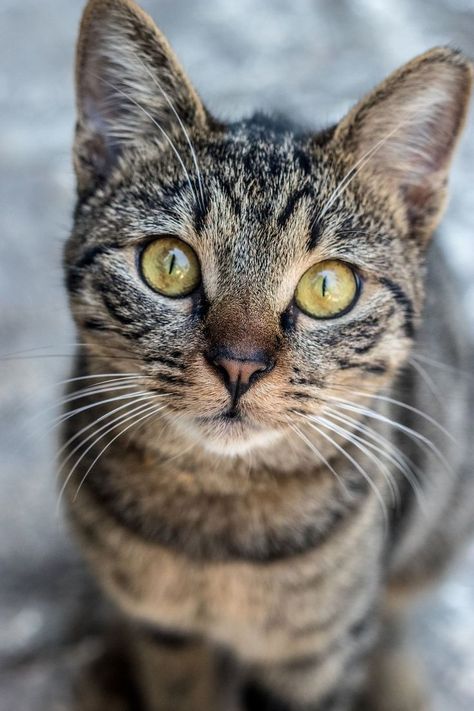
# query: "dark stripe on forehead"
{"type": "Point", "coordinates": [290, 207]}
{"type": "Point", "coordinates": [314, 235]}
{"type": "Point", "coordinates": [234, 202]}
{"type": "Point", "coordinates": [405, 302]}
{"type": "Point", "coordinates": [201, 210]}
{"type": "Point", "coordinates": [303, 161]}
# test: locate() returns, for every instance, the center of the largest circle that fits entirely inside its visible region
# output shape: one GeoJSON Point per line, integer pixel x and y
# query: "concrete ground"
{"type": "Point", "coordinates": [311, 58]}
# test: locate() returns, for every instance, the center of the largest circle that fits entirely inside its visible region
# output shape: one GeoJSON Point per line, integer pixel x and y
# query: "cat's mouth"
{"type": "Point", "coordinates": [230, 432]}
{"type": "Point", "coordinates": [230, 416]}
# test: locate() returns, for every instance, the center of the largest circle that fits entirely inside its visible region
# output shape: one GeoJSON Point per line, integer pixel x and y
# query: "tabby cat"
{"type": "Point", "coordinates": [257, 468]}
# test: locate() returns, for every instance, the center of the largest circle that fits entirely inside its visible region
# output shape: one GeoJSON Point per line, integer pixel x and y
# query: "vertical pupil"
{"type": "Point", "coordinates": [324, 286]}
{"type": "Point", "coordinates": [171, 263]}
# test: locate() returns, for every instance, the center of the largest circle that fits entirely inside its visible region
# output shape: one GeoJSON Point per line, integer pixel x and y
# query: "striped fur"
{"type": "Point", "coordinates": [261, 545]}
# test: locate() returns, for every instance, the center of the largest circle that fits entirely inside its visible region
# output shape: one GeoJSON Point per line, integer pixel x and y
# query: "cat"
{"type": "Point", "coordinates": [255, 466]}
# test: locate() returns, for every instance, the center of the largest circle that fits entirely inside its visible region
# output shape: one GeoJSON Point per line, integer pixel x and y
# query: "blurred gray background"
{"type": "Point", "coordinates": [310, 58]}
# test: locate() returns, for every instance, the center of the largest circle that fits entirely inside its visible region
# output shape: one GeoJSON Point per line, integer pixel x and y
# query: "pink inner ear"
{"type": "Point", "coordinates": [416, 117]}
{"type": "Point", "coordinates": [406, 130]}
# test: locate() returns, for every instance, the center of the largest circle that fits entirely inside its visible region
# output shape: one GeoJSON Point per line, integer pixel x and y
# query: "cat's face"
{"type": "Point", "coordinates": [300, 276]}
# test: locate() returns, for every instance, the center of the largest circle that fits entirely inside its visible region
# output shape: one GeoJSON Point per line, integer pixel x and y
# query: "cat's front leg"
{"type": "Point", "coordinates": [151, 670]}
{"type": "Point", "coordinates": [176, 673]}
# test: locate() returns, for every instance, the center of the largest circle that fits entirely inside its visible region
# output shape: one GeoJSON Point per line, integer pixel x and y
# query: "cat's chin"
{"type": "Point", "coordinates": [235, 447]}
{"type": "Point", "coordinates": [228, 437]}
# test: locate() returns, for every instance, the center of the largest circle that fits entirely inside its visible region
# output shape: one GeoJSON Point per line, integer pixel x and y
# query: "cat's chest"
{"type": "Point", "coordinates": [246, 603]}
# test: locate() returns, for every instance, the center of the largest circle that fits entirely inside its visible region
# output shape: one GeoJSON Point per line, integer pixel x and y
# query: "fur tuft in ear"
{"type": "Point", "coordinates": [405, 131]}
{"type": "Point", "coordinates": [129, 87]}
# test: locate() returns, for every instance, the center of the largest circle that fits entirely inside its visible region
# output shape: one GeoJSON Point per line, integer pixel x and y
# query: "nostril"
{"type": "Point", "coordinates": [262, 369]}
{"type": "Point", "coordinates": [239, 372]}
{"type": "Point", "coordinates": [244, 371]}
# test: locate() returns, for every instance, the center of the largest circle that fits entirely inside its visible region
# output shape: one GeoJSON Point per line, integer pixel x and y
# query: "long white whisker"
{"type": "Point", "coordinates": [122, 432]}
{"type": "Point", "coordinates": [142, 401]}
{"type": "Point", "coordinates": [385, 447]}
{"type": "Point", "coordinates": [428, 379]}
{"type": "Point", "coordinates": [413, 434]}
{"type": "Point", "coordinates": [155, 122]}
{"type": "Point", "coordinates": [183, 128]}
{"type": "Point", "coordinates": [355, 463]}
{"type": "Point", "coordinates": [404, 405]}
{"type": "Point", "coordinates": [314, 449]}
{"type": "Point", "coordinates": [95, 389]}
{"type": "Point", "coordinates": [125, 376]}
{"type": "Point", "coordinates": [63, 417]}
{"type": "Point", "coordinates": [356, 168]}
{"type": "Point", "coordinates": [106, 416]}
{"type": "Point", "coordinates": [135, 412]}
{"type": "Point", "coordinates": [77, 411]}
{"type": "Point", "coordinates": [442, 366]}
{"type": "Point", "coordinates": [364, 447]}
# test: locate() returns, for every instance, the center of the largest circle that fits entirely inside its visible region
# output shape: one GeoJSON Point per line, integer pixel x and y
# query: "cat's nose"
{"type": "Point", "coordinates": [239, 372]}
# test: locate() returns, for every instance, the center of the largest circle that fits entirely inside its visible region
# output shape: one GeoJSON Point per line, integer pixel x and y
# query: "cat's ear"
{"type": "Point", "coordinates": [404, 132]}
{"type": "Point", "coordinates": [129, 88]}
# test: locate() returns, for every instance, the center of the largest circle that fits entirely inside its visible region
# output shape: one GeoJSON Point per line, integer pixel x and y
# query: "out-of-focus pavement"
{"type": "Point", "coordinates": [309, 58]}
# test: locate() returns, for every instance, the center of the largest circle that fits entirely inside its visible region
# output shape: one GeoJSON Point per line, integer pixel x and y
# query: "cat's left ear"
{"type": "Point", "coordinates": [403, 134]}
{"type": "Point", "coordinates": [130, 88]}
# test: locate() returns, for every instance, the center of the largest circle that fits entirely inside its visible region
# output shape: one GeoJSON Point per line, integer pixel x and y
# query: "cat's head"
{"type": "Point", "coordinates": [252, 271]}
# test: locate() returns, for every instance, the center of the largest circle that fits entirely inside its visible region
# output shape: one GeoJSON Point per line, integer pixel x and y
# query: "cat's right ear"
{"type": "Point", "coordinates": [404, 133]}
{"type": "Point", "coordinates": [130, 89]}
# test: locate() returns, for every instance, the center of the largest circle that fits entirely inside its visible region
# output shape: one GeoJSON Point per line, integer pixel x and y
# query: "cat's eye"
{"type": "Point", "coordinates": [169, 266]}
{"type": "Point", "coordinates": [328, 289]}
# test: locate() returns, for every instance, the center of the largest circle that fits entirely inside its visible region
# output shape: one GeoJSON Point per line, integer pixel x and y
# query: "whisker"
{"type": "Point", "coordinates": [405, 406]}
{"type": "Point", "coordinates": [43, 356]}
{"type": "Point", "coordinates": [72, 413]}
{"type": "Point", "coordinates": [413, 434]}
{"type": "Point", "coordinates": [442, 366]}
{"type": "Point", "coordinates": [95, 389]}
{"type": "Point", "coordinates": [428, 380]}
{"type": "Point", "coordinates": [106, 416]}
{"type": "Point", "coordinates": [355, 463]}
{"type": "Point", "coordinates": [182, 126]}
{"type": "Point", "coordinates": [390, 451]}
{"type": "Point", "coordinates": [322, 458]}
{"type": "Point", "coordinates": [356, 168]}
{"type": "Point", "coordinates": [79, 378]}
{"type": "Point", "coordinates": [135, 412]}
{"type": "Point", "coordinates": [122, 432]}
{"type": "Point", "coordinates": [129, 97]}
{"type": "Point", "coordinates": [364, 447]}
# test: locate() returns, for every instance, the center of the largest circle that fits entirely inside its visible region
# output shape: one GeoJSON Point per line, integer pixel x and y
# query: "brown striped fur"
{"type": "Point", "coordinates": [246, 541]}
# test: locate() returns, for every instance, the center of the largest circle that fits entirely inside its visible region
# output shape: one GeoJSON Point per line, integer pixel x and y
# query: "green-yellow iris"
{"type": "Point", "coordinates": [327, 289]}
{"type": "Point", "coordinates": [170, 267]}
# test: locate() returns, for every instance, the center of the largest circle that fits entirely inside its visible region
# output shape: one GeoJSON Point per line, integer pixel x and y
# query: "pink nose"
{"type": "Point", "coordinates": [239, 373]}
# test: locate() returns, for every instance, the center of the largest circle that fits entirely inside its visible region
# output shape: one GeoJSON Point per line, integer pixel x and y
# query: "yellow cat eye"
{"type": "Point", "coordinates": [328, 289]}
{"type": "Point", "coordinates": [170, 267]}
